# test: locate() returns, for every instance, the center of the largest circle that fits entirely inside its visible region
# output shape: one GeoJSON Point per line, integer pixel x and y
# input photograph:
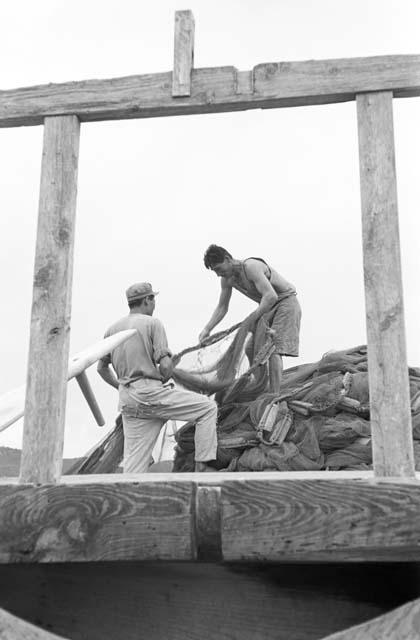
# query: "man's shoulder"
{"type": "Point", "coordinates": [156, 322]}
{"type": "Point", "coordinates": [256, 266]}
{"type": "Point", "coordinates": [255, 262]}
{"type": "Point", "coordinates": [120, 325]}
{"type": "Point", "coordinates": [137, 321]}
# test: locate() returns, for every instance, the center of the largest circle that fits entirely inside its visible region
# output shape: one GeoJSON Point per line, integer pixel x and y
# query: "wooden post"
{"type": "Point", "coordinates": [50, 322]}
{"type": "Point", "coordinates": [388, 374]}
{"type": "Point", "coordinates": [183, 53]}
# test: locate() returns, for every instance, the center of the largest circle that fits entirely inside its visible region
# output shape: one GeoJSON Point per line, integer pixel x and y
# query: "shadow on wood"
{"type": "Point", "coordinates": [178, 601]}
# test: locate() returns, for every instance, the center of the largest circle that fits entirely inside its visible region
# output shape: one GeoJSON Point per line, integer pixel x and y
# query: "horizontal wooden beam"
{"type": "Point", "coordinates": [216, 89]}
{"type": "Point", "coordinates": [256, 519]}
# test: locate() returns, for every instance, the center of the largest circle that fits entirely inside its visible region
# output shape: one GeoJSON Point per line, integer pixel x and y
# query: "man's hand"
{"type": "Point", "coordinates": [107, 374]}
{"type": "Point", "coordinates": [203, 335]}
{"type": "Point", "coordinates": [166, 368]}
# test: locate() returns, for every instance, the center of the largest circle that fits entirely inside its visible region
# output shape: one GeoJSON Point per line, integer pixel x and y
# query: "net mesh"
{"type": "Point", "coordinates": [232, 364]}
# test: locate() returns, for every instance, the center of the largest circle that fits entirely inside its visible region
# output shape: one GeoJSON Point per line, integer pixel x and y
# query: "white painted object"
{"type": "Point", "coordinates": [12, 403]}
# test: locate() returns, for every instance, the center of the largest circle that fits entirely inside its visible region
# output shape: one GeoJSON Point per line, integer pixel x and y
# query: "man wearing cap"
{"type": "Point", "coordinates": [143, 367]}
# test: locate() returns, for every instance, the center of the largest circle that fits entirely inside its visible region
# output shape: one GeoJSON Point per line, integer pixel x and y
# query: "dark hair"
{"type": "Point", "coordinates": [139, 301]}
{"type": "Point", "coordinates": [215, 255]}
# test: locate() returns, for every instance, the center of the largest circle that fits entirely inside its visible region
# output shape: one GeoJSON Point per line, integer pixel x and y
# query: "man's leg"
{"type": "Point", "coordinates": [285, 326]}
{"type": "Point", "coordinates": [177, 404]}
{"type": "Point", "coordinates": [275, 370]}
{"type": "Point", "coordinates": [140, 436]}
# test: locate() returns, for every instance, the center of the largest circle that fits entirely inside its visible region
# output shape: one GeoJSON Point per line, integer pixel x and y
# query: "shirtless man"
{"type": "Point", "coordinates": [257, 280]}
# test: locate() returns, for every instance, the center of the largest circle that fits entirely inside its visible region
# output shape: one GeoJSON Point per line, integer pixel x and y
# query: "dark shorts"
{"type": "Point", "coordinates": [286, 324]}
{"type": "Point", "coordinates": [284, 320]}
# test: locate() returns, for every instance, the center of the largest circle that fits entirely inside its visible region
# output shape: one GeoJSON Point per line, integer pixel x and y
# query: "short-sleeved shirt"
{"type": "Point", "coordinates": [139, 356]}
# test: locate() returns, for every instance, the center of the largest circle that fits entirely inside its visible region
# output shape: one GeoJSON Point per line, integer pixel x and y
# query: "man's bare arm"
{"type": "Point", "coordinates": [256, 273]}
{"type": "Point", "coordinates": [220, 311]}
{"type": "Point", "coordinates": [166, 367]}
{"type": "Point", "coordinates": [107, 374]}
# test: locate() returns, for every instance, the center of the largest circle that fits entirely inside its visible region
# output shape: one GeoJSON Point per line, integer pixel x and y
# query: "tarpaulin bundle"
{"type": "Point", "coordinates": [318, 420]}
{"type": "Point", "coordinates": [286, 457]}
{"type": "Point", "coordinates": [338, 431]}
{"type": "Point", "coordinates": [357, 455]}
{"type": "Point", "coordinates": [351, 360]}
{"type": "Point", "coordinates": [326, 391]}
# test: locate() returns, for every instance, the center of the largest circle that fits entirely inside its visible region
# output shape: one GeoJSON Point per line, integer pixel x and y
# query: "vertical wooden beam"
{"type": "Point", "coordinates": [388, 374]}
{"type": "Point", "coordinates": [183, 53]}
{"type": "Point", "coordinates": [46, 388]}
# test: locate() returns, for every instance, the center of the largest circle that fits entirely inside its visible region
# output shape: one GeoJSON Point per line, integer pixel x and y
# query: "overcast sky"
{"type": "Point", "coordinates": [282, 184]}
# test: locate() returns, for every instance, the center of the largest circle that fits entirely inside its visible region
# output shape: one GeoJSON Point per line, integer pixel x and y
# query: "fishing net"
{"type": "Point", "coordinates": [232, 364]}
{"type": "Point", "coordinates": [318, 420]}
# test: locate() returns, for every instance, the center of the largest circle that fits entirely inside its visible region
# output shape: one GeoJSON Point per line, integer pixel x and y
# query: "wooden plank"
{"type": "Point", "coordinates": [216, 89]}
{"type": "Point", "coordinates": [13, 628]}
{"type": "Point", "coordinates": [183, 53]}
{"type": "Point", "coordinates": [402, 623]}
{"type": "Point", "coordinates": [50, 322]}
{"type": "Point", "coordinates": [182, 601]}
{"type": "Point", "coordinates": [220, 478]}
{"type": "Point", "coordinates": [390, 416]}
{"type": "Point", "coordinates": [208, 523]}
{"type": "Point", "coordinates": [59, 523]}
{"type": "Point", "coordinates": [320, 521]}
{"type": "Point", "coordinates": [248, 521]}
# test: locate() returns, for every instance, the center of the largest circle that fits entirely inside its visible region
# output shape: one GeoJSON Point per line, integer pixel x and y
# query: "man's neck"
{"type": "Point", "coordinates": [138, 310]}
{"type": "Point", "coordinates": [236, 266]}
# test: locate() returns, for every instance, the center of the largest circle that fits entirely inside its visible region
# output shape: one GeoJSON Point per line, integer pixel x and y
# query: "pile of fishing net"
{"type": "Point", "coordinates": [318, 420]}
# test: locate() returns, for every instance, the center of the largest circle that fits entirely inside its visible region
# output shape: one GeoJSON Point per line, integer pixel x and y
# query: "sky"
{"type": "Point", "coordinates": [282, 184]}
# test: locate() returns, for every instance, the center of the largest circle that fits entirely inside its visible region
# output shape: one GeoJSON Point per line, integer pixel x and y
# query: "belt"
{"type": "Point", "coordinates": [127, 384]}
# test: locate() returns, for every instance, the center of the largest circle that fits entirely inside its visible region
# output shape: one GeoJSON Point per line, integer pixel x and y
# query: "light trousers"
{"type": "Point", "coordinates": [147, 404]}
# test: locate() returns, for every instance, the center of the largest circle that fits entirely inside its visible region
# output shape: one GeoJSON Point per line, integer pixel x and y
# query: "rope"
{"type": "Point", "coordinates": [216, 337]}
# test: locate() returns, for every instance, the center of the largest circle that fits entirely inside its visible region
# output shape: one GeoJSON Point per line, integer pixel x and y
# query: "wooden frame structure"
{"type": "Point", "coordinates": [302, 516]}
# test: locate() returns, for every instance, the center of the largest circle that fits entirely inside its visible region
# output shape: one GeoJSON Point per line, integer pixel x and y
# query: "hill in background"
{"type": "Point", "coordinates": [10, 462]}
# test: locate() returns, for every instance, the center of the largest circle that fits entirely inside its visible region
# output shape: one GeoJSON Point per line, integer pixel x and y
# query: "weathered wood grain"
{"type": "Point", "coordinates": [390, 414]}
{"type": "Point", "coordinates": [181, 601]}
{"type": "Point", "coordinates": [207, 525]}
{"type": "Point", "coordinates": [322, 521]}
{"type": "Point", "coordinates": [183, 53]}
{"type": "Point", "coordinates": [46, 386]}
{"type": "Point", "coordinates": [13, 628]}
{"type": "Point", "coordinates": [214, 89]}
{"type": "Point", "coordinates": [238, 520]}
{"type": "Point", "coordinates": [401, 624]}
{"type": "Point", "coordinates": [219, 478]}
{"type": "Point", "coordinates": [59, 523]}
